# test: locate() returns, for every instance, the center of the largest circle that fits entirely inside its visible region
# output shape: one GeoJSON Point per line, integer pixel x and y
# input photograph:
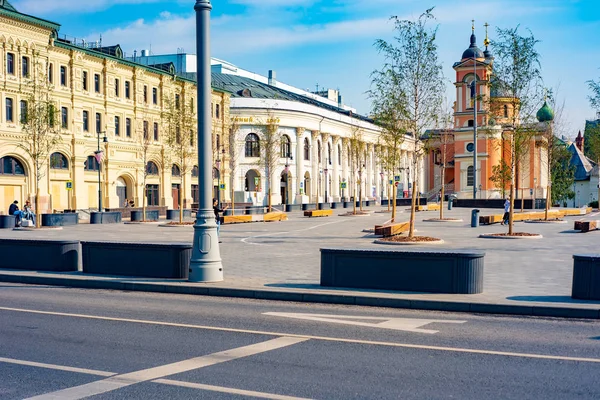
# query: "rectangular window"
{"type": "Point", "coordinates": [97, 83]}
{"type": "Point", "coordinates": [152, 194]}
{"type": "Point", "coordinates": [9, 110]}
{"type": "Point", "coordinates": [195, 193]}
{"type": "Point", "coordinates": [217, 111]}
{"type": "Point", "coordinates": [25, 66]}
{"type": "Point", "coordinates": [470, 175]}
{"type": "Point", "coordinates": [154, 96]}
{"type": "Point", "coordinates": [51, 73]}
{"type": "Point", "coordinates": [85, 80]}
{"type": "Point", "coordinates": [128, 127]}
{"type": "Point", "coordinates": [63, 75]}
{"type": "Point", "coordinates": [23, 111]}
{"type": "Point", "coordinates": [117, 84]}
{"type": "Point", "coordinates": [117, 126]}
{"type": "Point", "coordinates": [127, 90]}
{"type": "Point", "coordinates": [98, 123]}
{"type": "Point", "coordinates": [156, 131]}
{"type": "Point", "coordinates": [64, 114]}
{"type": "Point", "coordinates": [146, 94]}
{"type": "Point", "coordinates": [10, 63]}
{"type": "Point", "coordinates": [86, 121]}
{"type": "Point", "coordinates": [146, 130]}
{"type": "Point", "coordinates": [177, 100]}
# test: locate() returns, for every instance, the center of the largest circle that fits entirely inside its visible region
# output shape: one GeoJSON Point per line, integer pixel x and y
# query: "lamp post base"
{"type": "Point", "coordinates": [205, 264]}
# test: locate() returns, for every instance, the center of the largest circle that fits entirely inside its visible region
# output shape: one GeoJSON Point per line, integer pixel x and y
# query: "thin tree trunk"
{"type": "Point", "coordinates": [394, 206]}
{"type": "Point", "coordinates": [548, 197]}
{"type": "Point", "coordinates": [413, 205]}
{"type": "Point", "coordinates": [389, 196]}
{"type": "Point", "coordinates": [442, 194]}
{"type": "Point", "coordinates": [144, 199]}
{"type": "Point", "coordinates": [38, 215]}
{"type": "Point", "coordinates": [181, 191]}
{"type": "Point", "coordinates": [511, 209]}
{"type": "Point", "coordinates": [354, 200]}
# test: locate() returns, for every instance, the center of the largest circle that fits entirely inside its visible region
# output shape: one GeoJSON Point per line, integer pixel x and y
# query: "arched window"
{"type": "Point", "coordinates": [252, 145]}
{"type": "Point", "coordinates": [306, 149]}
{"type": "Point", "coordinates": [175, 171]}
{"type": "Point", "coordinates": [286, 146]}
{"type": "Point", "coordinates": [339, 155]}
{"type": "Point", "coordinates": [11, 166]}
{"type": "Point", "coordinates": [505, 111]}
{"type": "Point", "coordinates": [319, 151]}
{"type": "Point", "coordinates": [151, 168]}
{"type": "Point", "coordinates": [329, 153]}
{"type": "Point", "coordinates": [59, 161]}
{"type": "Point", "coordinates": [470, 175]}
{"type": "Point", "coordinates": [195, 171]}
{"type": "Point", "coordinates": [252, 183]}
{"type": "Point", "coordinates": [91, 164]}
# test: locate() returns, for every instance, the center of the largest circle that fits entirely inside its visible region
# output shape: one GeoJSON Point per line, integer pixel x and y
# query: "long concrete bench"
{"type": "Point", "coordinates": [236, 219]}
{"type": "Point", "coordinates": [39, 255]}
{"type": "Point", "coordinates": [318, 213]}
{"type": "Point", "coordinates": [432, 272]}
{"type": "Point", "coordinates": [586, 277]}
{"type": "Point", "coordinates": [519, 217]}
{"type": "Point", "coordinates": [7, 221]}
{"type": "Point", "coordinates": [392, 229]}
{"type": "Point", "coordinates": [60, 219]}
{"type": "Point", "coordinates": [151, 215]}
{"type": "Point", "coordinates": [112, 217]}
{"type": "Point", "coordinates": [148, 260]}
{"type": "Point", "coordinates": [576, 211]}
{"type": "Point", "coordinates": [275, 216]}
{"type": "Point", "coordinates": [174, 214]}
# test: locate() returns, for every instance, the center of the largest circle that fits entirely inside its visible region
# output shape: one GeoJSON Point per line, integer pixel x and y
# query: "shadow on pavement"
{"type": "Point", "coordinates": [552, 299]}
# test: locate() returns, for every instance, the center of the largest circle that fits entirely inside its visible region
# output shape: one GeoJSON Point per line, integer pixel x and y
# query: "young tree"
{"type": "Point", "coordinates": [562, 174]}
{"type": "Point", "coordinates": [517, 74]}
{"type": "Point", "coordinates": [270, 150]}
{"type": "Point", "coordinates": [357, 149]}
{"type": "Point", "coordinates": [144, 139]}
{"type": "Point", "coordinates": [40, 126]}
{"type": "Point", "coordinates": [413, 60]}
{"type": "Point", "coordinates": [233, 156]}
{"type": "Point", "coordinates": [179, 134]}
{"type": "Point", "coordinates": [442, 143]}
{"type": "Point", "coordinates": [592, 141]}
{"type": "Point", "coordinates": [501, 176]}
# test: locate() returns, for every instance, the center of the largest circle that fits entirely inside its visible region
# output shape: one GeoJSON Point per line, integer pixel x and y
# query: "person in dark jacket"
{"type": "Point", "coordinates": [14, 210]}
{"type": "Point", "coordinates": [217, 211]}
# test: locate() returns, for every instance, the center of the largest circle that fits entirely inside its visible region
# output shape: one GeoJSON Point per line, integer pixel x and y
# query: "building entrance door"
{"type": "Point", "coordinates": [175, 191]}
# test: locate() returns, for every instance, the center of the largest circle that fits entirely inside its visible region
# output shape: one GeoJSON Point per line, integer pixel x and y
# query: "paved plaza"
{"type": "Point", "coordinates": [285, 256]}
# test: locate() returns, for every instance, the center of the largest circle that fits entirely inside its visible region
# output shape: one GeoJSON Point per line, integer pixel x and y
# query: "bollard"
{"type": "Point", "coordinates": [450, 204]}
{"type": "Point", "coordinates": [474, 218]}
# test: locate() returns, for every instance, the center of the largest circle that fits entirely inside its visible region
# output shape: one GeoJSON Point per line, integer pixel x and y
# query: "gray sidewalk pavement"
{"type": "Point", "coordinates": [281, 260]}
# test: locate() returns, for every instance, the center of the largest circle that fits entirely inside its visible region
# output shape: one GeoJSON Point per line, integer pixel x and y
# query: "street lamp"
{"type": "Point", "coordinates": [98, 155]}
{"type": "Point", "coordinates": [218, 164]}
{"type": "Point", "coordinates": [381, 175]}
{"type": "Point", "coordinates": [534, 193]}
{"type": "Point", "coordinates": [205, 263]}
{"type": "Point", "coordinates": [326, 170]}
{"type": "Point", "coordinates": [288, 157]}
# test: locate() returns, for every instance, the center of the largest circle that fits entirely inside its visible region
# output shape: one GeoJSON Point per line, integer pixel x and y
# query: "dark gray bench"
{"type": "Point", "coordinates": [148, 260]}
{"type": "Point", "coordinates": [174, 214]}
{"type": "Point", "coordinates": [414, 271]}
{"type": "Point", "coordinates": [110, 217]}
{"type": "Point", "coordinates": [39, 255]}
{"type": "Point", "coordinates": [7, 221]}
{"type": "Point", "coordinates": [151, 215]}
{"type": "Point", "coordinates": [60, 219]}
{"type": "Point", "coordinates": [586, 277]}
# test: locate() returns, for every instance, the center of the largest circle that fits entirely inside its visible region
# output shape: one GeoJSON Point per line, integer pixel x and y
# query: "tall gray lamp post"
{"type": "Point", "coordinates": [99, 159]}
{"type": "Point", "coordinates": [205, 264]}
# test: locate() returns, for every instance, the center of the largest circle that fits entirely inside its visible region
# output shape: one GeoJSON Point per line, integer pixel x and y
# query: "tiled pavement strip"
{"type": "Point", "coordinates": [281, 260]}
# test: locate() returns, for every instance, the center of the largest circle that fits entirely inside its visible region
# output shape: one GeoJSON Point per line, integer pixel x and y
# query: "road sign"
{"type": "Point", "coordinates": [69, 185]}
{"type": "Point", "coordinates": [391, 181]}
{"type": "Point", "coordinates": [222, 186]}
{"type": "Point", "coordinates": [396, 184]}
{"type": "Point", "coordinates": [343, 185]}
{"type": "Point", "coordinates": [397, 178]}
{"type": "Point", "coordinates": [256, 181]}
{"type": "Point", "coordinates": [397, 324]}
{"type": "Point", "coordinates": [530, 192]}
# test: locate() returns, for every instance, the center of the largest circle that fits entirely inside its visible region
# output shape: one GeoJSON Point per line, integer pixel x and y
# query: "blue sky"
{"type": "Point", "coordinates": [330, 42]}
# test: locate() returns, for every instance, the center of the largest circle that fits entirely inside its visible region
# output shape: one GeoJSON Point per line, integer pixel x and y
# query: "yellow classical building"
{"type": "Point", "coordinates": [103, 101]}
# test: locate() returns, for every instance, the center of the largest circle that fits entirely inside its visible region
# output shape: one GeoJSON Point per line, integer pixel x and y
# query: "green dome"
{"type": "Point", "coordinates": [545, 114]}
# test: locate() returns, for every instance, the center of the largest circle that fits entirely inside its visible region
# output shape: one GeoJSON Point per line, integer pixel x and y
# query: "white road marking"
{"type": "Point", "coordinates": [220, 389]}
{"type": "Point", "coordinates": [324, 338]}
{"type": "Point", "coordinates": [56, 367]}
{"type": "Point", "coordinates": [169, 382]}
{"type": "Point", "coordinates": [132, 378]}
{"type": "Point", "coordinates": [398, 324]}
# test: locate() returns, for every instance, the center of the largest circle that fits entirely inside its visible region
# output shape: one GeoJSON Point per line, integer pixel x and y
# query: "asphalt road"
{"type": "Point", "coordinates": [59, 343]}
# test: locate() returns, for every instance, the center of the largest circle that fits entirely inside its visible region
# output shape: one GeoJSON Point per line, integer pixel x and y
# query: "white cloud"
{"type": "Point", "coordinates": [42, 7]}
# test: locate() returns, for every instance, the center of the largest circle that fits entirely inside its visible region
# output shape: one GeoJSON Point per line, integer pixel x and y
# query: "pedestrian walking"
{"type": "Point", "coordinates": [506, 215]}
{"type": "Point", "coordinates": [218, 211]}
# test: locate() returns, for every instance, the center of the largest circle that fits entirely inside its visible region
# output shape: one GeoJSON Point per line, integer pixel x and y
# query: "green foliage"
{"type": "Point", "coordinates": [592, 141]}
{"type": "Point", "coordinates": [501, 175]}
{"type": "Point", "coordinates": [563, 175]}
{"type": "Point", "coordinates": [594, 98]}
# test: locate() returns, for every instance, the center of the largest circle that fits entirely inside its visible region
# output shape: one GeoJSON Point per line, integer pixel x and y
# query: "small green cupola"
{"type": "Point", "coordinates": [545, 114]}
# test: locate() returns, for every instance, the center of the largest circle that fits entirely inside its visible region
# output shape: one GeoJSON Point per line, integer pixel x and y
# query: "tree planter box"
{"type": "Point", "coordinates": [60, 219]}
{"type": "Point", "coordinates": [432, 272]}
{"type": "Point", "coordinates": [324, 206]}
{"type": "Point", "coordinates": [113, 217]}
{"type": "Point", "coordinates": [151, 215]}
{"type": "Point", "coordinates": [148, 260]}
{"type": "Point", "coordinates": [39, 255]}
{"type": "Point", "coordinates": [347, 204]}
{"type": "Point", "coordinates": [7, 221]}
{"type": "Point", "coordinates": [318, 213]}
{"type": "Point", "coordinates": [586, 277]}
{"type": "Point", "coordinates": [174, 214]}
{"type": "Point", "coordinates": [293, 207]}
{"type": "Point", "coordinates": [337, 205]}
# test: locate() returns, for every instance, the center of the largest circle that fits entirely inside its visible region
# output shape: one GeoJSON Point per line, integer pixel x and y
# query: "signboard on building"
{"type": "Point", "coordinates": [69, 185]}
{"type": "Point", "coordinates": [343, 185]}
{"type": "Point", "coordinates": [222, 186]}
{"type": "Point", "coordinates": [397, 178]}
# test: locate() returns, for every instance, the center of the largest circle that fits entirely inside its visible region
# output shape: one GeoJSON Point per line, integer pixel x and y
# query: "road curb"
{"type": "Point", "coordinates": [307, 297]}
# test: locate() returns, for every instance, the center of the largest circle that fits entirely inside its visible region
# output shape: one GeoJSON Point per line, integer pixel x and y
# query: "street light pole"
{"type": "Point", "coordinates": [474, 93]}
{"type": "Point", "coordinates": [218, 163]}
{"type": "Point", "coordinates": [205, 263]}
{"type": "Point", "coordinates": [98, 157]}
{"type": "Point", "coordinates": [326, 181]}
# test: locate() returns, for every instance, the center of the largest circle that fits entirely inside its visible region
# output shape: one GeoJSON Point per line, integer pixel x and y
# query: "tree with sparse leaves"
{"type": "Point", "coordinates": [357, 149]}
{"type": "Point", "coordinates": [40, 126]}
{"type": "Point", "coordinates": [517, 73]}
{"type": "Point", "coordinates": [270, 146]}
{"type": "Point", "coordinates": [233, 155]}
{"type": "Point", "coordinates": [592, 133]}
{"type": "Point", "coordinates": [412, 60]}
{"type": "Point", "coordinates": [501, 176]}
